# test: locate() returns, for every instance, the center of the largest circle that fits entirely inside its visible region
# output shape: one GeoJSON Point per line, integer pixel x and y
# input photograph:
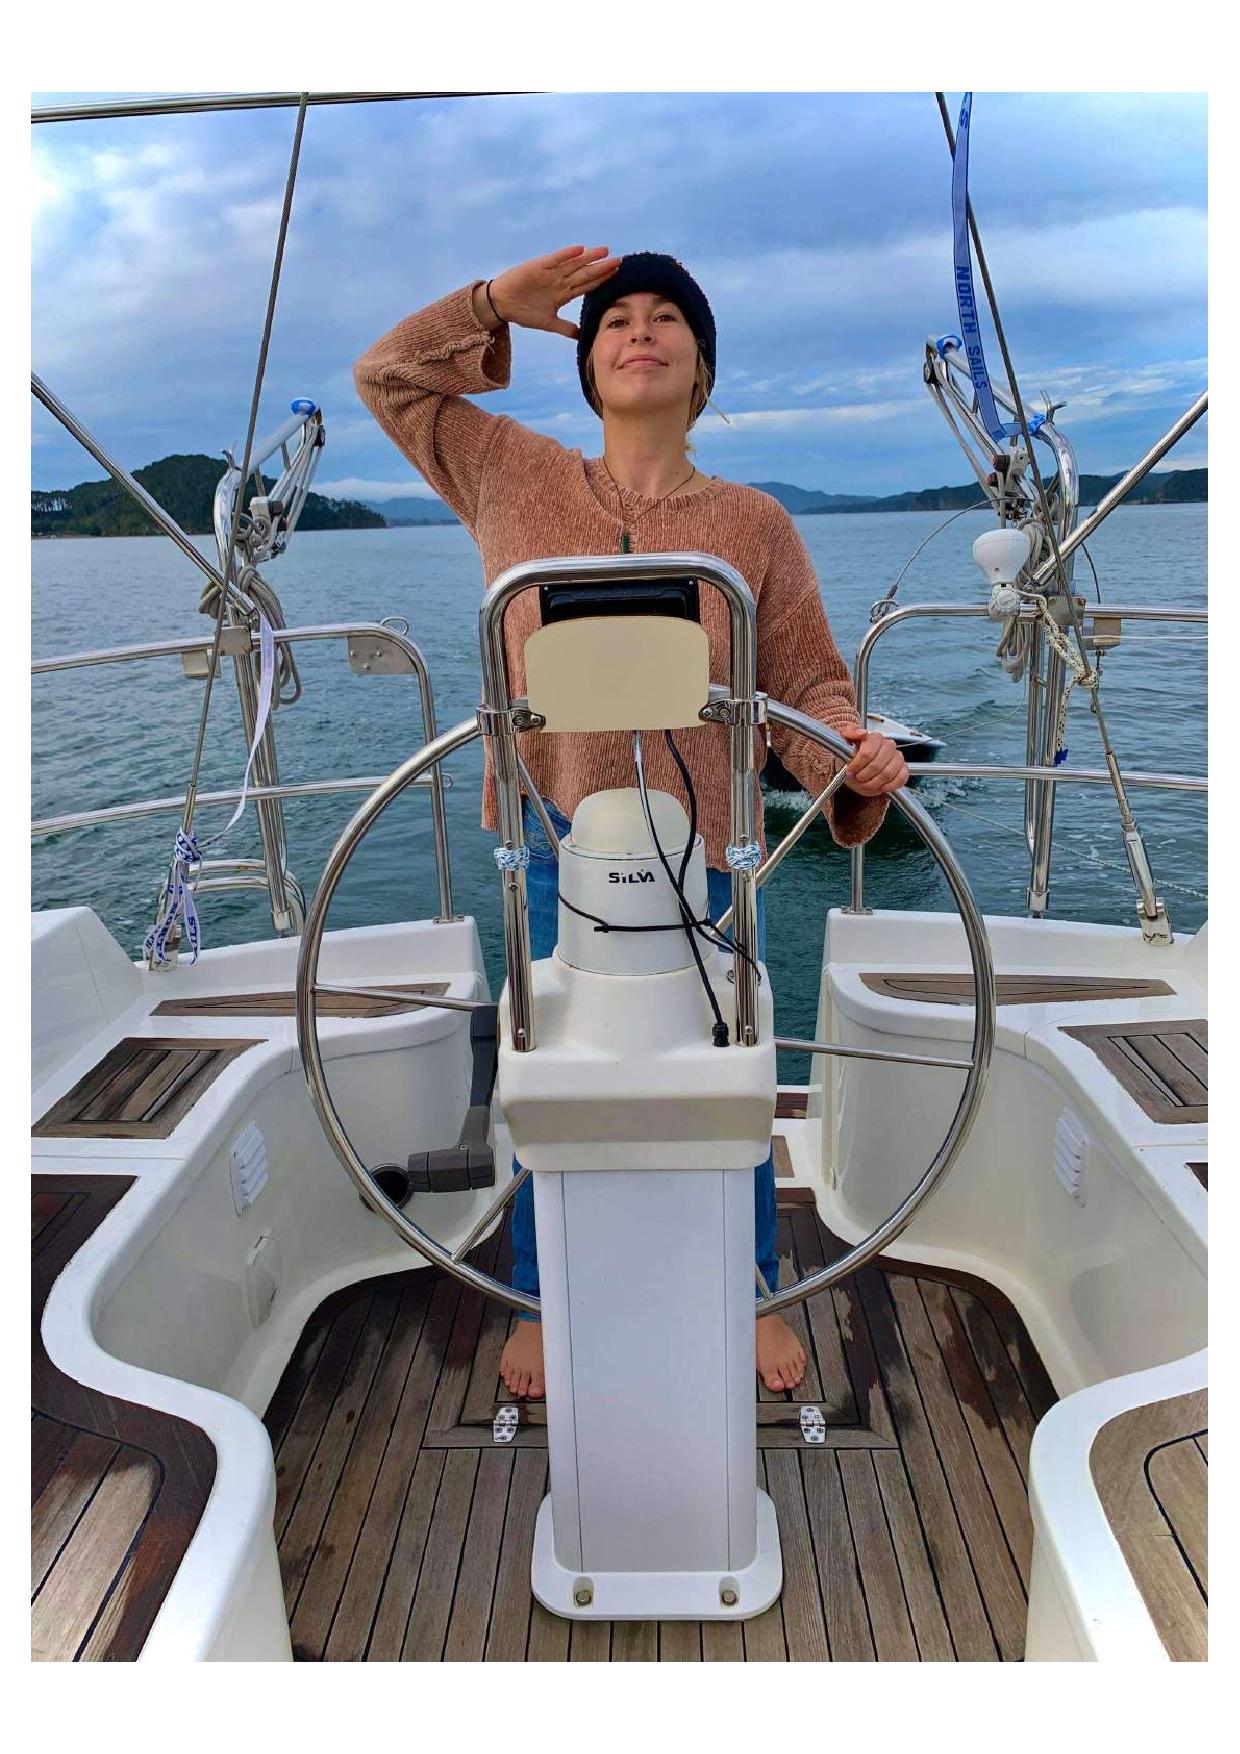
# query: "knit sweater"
{"type": "Point", "coordinates": [522, 496]}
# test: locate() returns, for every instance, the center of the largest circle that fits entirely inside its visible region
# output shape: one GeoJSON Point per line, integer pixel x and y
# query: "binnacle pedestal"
{"type": "Point", "coordinates": [642, 1137]}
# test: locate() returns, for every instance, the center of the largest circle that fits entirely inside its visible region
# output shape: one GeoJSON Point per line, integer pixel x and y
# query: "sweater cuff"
{"type": "Point", "coordinates": [853, 819]}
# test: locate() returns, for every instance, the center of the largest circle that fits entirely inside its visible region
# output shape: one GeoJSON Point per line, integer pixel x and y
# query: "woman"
{"type": "Point", "coordinates": [646, 362]}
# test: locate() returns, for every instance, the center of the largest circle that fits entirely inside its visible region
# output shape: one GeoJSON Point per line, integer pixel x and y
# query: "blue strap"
{"type": "Point", "coordinates": [966, 301]}
{"type": "Point", "coordinates": [186, 852]}
{"type": "Point", "coordinates": [970, 337]}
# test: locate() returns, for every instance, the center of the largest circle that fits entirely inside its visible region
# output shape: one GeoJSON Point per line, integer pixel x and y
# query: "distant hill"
{"type": "Point", "coordinates": [807, 499]}
{"type": "Point", "coordinates": [185, 487]}
{"type": "Point", "coordinates": [1173, 486]}
{"type": "Point", "coordinates": [419, 510]}
{"type": "Point", "coordinates": [1170, 487]}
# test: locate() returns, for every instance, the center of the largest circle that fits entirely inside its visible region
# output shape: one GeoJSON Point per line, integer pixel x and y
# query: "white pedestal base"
{"type": "Point", "coordinates": [658, 1595]}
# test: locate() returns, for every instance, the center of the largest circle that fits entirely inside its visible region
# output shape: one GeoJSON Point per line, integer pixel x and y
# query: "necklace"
{"type": "Point", "coordinates": [625, 546]}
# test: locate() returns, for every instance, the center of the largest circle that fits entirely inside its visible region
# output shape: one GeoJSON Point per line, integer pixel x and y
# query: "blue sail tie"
{"type": "Point", "coordinates": [970, 338]}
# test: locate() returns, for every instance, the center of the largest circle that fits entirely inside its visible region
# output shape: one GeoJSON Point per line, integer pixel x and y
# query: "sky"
{"type": "Point", "coordinates": [818, 225]}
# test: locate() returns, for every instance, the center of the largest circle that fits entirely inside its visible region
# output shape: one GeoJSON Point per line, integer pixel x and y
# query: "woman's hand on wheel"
{"type": "Point", "coordinates": [531, 294]}
{"type": "Point", "coordinates": [877, 766]}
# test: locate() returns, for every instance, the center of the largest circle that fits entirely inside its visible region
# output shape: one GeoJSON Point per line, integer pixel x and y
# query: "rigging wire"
{"type": "Point", "coordinates": [177, 886]}
{"type": "Point", "coordinates": [876, 609]}
{"type": "Point", "coordinates": [230, 559]}
{"type": "Point", "coordinates": [1078, 663]}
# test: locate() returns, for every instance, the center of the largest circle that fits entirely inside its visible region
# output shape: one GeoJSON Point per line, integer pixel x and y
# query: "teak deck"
{"type": "Point", "coordinates": [1012, 989]}
{"type": "Point", "coordinates": [117, 1490]}
{"type": "Point", "coordinates": [1150, 1467]}
{"type": "Point", "coordinates": [405, 1533]}
{"type": "Point", "coordinates": [385, 1001]}
{"type": "Point", "coordinates": [141, 1089]}
{"type": "Point", "coordinates": [1164, 1067]}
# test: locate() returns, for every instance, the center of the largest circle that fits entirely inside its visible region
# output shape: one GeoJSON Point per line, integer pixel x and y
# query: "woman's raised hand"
{"type": "Point", "coordinates": [532, 294]}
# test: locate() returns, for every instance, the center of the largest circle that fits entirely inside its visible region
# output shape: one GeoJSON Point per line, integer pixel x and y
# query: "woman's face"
{"type": "Point", "coordinates": [644, 356]}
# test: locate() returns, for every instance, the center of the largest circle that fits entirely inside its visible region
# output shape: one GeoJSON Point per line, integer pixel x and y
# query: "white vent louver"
{"type": "Point", "coordinates": [248, 1167]}
{"type": "Point", "coordinates": [1068, 1154]}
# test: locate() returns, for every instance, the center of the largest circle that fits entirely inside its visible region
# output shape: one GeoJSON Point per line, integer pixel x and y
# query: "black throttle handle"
{"type": "Point", "coordinates": [470, 1163]}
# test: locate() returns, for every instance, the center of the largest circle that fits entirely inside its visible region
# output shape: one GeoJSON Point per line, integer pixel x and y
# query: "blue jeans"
{"type": "Point", "coordinates": [542, 894]}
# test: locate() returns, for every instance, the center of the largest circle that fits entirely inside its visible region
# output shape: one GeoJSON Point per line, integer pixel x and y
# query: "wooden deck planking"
{"type": "Point", "coordinates": [282, 1002]}
{"type": "Point", "coordinates": [878, 1566]}
{"type": "Point", "coordinates": [905, 1536]}
{"type": "Point", "coordinates": [1149, 1466]}
{"type": "Point", "coordinates": [117, 1489]}
{"type": "Point", "coordinates": [78, 1589]}
{"type": "Point", "coordinates": [374, 1572]}
{"type": "Point", "coordinates": [509, 1632]}
{"type": "Point", "coordinates": [1013, 989]}
{"type": "Point", "coordinates": [1163, 1067]}
{"type": "Point", "coordinates": [141, 1089]}
{"type": "Point", "coordinates": [311, 1622]}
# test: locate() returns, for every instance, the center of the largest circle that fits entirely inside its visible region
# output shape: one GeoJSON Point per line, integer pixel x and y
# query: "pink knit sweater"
{"type": "Point", "coordinates": [523, 496]}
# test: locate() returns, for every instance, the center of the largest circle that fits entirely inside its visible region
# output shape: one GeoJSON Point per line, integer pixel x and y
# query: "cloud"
{"type": "Point", "coordinates": [360, 487]}
{"type": "Point", "coordinates": [818, 224]}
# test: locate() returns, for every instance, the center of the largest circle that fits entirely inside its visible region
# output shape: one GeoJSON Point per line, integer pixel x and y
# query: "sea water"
{"type": "Point", "coordinates": [121, 732]}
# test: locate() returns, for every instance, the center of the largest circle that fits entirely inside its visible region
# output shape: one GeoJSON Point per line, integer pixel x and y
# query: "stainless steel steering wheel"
{"type": "Point", "coordinates": [976, 1066]}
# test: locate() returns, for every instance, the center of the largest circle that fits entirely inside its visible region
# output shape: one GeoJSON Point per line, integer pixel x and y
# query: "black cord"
{"type": "Point", "coordinates": [719, 1035]}
{"type": "Point", "coordinates": [602, 925]}
{"type": "Point", "coordinates": [1093, 569]}
{"type": "Point", "coordinates": [688, 923]}
{"type": "Point", "coordinates": [707, 928]}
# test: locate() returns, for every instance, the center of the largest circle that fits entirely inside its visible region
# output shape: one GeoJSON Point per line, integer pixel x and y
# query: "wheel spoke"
{"type": "Point", "coordinates": [437, 1001]}
{"type": "Point", "coordinates": [849, 1053]}
{"type": "Point", "coordinates": [492, 1212]}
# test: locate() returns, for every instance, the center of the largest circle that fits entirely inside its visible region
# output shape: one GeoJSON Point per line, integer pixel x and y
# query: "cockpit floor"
{"type": "Point", "coordinates": [405, 1532]}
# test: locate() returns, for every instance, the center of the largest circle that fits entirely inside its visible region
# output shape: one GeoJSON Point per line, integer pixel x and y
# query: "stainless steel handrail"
{"type": "Point", "coordinates": [1107, 504]}
{"type": "Point", "coordinates": [496, 716]}
{"type": "Point", "coordinates": [289, 636]}
{"type": "Point", "coordinates": [1082, 776]}
{"type": "Point", "coordinates": [980, 611]}
{"type": "Point", "coordinates": [170, 806]}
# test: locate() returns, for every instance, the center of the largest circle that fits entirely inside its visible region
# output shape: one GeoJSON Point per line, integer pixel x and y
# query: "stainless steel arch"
{"type": "Point", "coordinates": [312, 1062]}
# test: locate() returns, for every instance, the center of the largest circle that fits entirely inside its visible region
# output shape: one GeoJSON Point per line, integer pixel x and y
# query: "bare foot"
{"type": "Point", "coordinates": [781, 1358]}
{"type": "Point", "coordinates": [521, 1361]}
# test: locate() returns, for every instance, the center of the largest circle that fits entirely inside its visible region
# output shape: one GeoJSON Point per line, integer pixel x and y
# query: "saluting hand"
{"type": "Point", "coordinates": [532, 293]}
{"type": "Point", "coordinates": [877, 767]}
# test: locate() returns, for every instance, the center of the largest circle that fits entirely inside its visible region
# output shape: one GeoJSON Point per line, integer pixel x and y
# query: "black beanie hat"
{"type": "Point", "coordinates": [647, 271]}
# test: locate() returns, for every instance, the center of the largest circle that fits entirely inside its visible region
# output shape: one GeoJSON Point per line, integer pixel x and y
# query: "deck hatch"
{"type": "Point", "coordinates": [1163, 1066]}
{"type": "Point", "coordinates": [141, 1089]}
